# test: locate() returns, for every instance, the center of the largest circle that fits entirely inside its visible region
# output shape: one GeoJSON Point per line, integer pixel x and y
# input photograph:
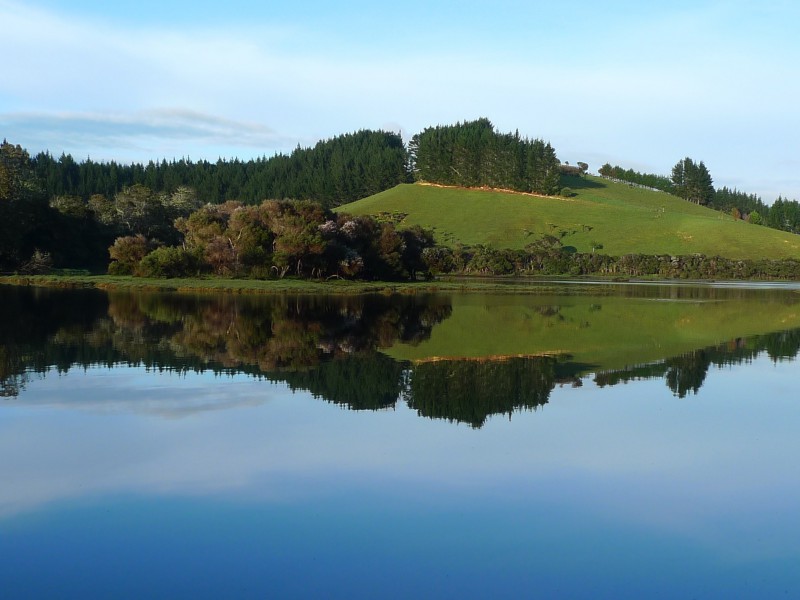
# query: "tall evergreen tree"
{"type": "Point", "coordinates": [473, 154]}
{"type": "Point", "coordinates": [693, 182]}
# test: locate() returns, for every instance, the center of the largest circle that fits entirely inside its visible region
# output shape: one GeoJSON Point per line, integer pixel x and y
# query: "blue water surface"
{"type": "Point", "coordinates": [125, 482]}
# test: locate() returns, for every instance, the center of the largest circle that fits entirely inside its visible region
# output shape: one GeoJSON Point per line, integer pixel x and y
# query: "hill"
{"type": "Point", "coordinates": [624, 219]}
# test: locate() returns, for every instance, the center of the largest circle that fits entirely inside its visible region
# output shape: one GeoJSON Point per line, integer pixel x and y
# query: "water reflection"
{"type": "Point", "coordinates": [459, 358]}
{"type": "Point", "coordinates": [200, 473]}
{"type": "Point", "coordinates": [469, 391]}
{"type": "Point", "coordinates": [685, 374]}
{"type": "Point", "coordinates": [57, 330]}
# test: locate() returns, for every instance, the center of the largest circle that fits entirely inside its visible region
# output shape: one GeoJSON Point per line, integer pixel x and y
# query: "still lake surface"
{"type": "Point", "coordinates": [579, 441]}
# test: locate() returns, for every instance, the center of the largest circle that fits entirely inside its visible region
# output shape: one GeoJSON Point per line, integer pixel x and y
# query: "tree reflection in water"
{"type": "Point", "coordinates": [686, 373]}
{"type": "Point", "coordinates": [330, 346]}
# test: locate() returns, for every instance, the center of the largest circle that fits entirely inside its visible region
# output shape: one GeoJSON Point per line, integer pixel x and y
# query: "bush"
{"type": "Point", "coordinates": [120, 268]}
{"type": "Point", "coordinates": [169, 261]}
{"type": "Point", "coordinates": [126, 254]}
{"type": "Point", "coordinates": [438, 259]}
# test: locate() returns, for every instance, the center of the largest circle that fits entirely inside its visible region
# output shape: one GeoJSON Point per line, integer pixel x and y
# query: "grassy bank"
{"type": "Point", "coordinates": [280, 286]}
{"type": "Point", "coordinates": [212, 284]}
{"type": "Point", "coordinates": [497, 285]}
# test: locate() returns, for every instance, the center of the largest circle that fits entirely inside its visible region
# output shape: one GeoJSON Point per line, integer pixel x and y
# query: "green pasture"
{"type": "Point", "coordinates": [624, 219]}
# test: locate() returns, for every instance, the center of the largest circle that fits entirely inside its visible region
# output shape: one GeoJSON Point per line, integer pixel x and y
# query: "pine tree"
{"type": "Point", "coordinates": [473, 154]}
{"type": "Point", "coordinates": [693, 182]}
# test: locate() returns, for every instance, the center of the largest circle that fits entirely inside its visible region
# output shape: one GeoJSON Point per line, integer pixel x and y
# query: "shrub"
{"type": "Point", "coordinates": [126, 254]}
{"type": "Point", "coordinates": [170, 261]}
{"type": "Point", "coordinates": [438, 259]}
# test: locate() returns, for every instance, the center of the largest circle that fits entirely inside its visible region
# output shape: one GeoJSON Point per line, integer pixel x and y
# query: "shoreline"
{"type": "Point", "coordinates": [510, 285]}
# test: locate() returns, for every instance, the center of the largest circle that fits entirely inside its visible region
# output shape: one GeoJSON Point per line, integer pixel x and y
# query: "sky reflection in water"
{"type": "Point", "coordinates": [600, 491]}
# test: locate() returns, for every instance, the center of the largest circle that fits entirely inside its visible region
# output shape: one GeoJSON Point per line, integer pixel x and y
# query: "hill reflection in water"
{"type": "Point", "coordinates": [457, 357]}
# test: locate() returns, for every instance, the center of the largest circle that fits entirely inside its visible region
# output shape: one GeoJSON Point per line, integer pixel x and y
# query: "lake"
{"type": "Point", "coordinates": [577, 441]}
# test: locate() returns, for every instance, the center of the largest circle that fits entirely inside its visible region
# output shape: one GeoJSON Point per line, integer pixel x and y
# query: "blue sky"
{"type": "Point", "coordinates": [636, 84]}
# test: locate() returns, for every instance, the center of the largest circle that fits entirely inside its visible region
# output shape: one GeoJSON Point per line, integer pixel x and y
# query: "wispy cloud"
{"type": "Point", "coordinates": [139, 130]}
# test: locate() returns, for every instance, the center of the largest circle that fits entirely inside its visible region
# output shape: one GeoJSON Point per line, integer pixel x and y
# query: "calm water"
{"type": "Point", "coordinates": [579, 441]}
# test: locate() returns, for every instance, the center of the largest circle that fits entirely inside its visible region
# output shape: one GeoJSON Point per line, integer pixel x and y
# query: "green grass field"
{"type": "Point", "coordinates": [624, 219]}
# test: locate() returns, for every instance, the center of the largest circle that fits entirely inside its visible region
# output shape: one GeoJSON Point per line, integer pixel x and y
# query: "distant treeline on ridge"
{"type": "Point", "coordinates": [333, 172]}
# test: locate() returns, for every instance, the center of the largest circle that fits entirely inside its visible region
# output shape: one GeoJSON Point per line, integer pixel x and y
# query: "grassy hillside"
{"type": "Point", "coordinates": [623, 219]}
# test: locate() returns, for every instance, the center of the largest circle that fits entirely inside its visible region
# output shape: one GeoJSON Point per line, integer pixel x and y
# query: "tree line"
{"type": "Point", "coordinates": [332, 172]}
{"type": "Point", "coordinates": [547, 257]}
{"type": "Point", "coordinates": [647, 180]}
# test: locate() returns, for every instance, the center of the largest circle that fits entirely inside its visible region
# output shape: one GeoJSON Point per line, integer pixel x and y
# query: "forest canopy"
{"type": "Point", "coordinates": [332, 172]}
